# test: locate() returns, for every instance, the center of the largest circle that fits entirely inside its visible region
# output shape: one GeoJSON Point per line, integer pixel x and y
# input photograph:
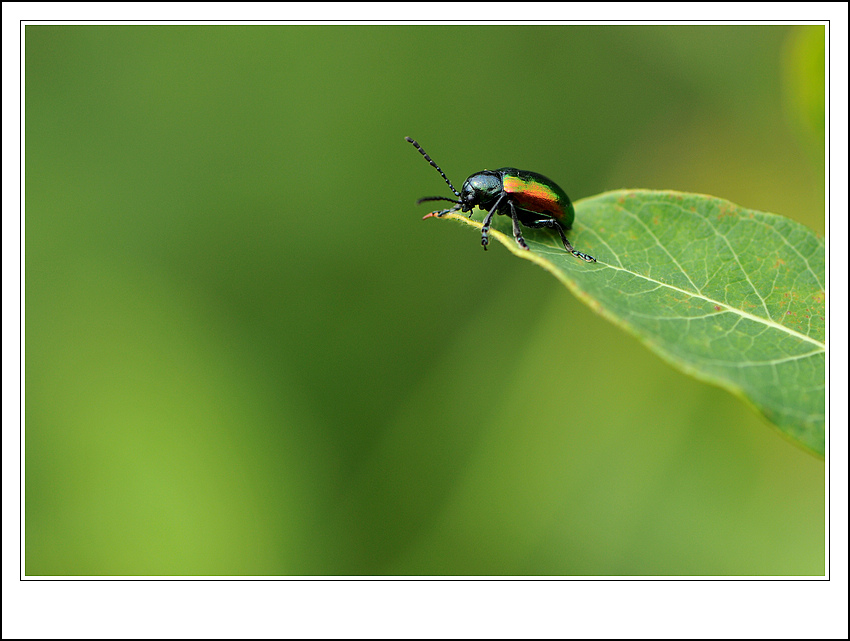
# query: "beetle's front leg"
{"type": "Point", "coordinates": [485, 228]}
{"type": "Point", "coordinates": [440, 214]}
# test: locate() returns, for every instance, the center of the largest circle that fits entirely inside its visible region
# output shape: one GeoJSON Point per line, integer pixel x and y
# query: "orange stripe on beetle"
{"type": "Point", "coordinates": [533, 195]}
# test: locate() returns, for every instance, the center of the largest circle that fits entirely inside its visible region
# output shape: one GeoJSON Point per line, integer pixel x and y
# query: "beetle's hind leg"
{"type": "Point", "coordinates": [553, 223]}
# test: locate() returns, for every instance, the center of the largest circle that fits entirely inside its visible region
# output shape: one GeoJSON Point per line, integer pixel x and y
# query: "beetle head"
{"type": "Point", "coordinates": [480, 189]}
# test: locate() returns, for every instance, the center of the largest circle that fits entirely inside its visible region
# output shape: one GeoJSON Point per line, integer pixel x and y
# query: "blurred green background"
{"type": "Point", "coordinates": [246, 354]}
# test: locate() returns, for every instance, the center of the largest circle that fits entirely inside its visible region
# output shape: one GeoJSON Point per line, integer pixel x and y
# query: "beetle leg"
{"type": "Point", "coordinates": [552, 223]}
{"type": "Point", "coordinates": [448, 211]}
{"type": "Point", "coordinates": [485, 228]}
{"type": "Point", "coordinates": [440, 214]}
{"type": "Point", "coordinates": [517, 233]}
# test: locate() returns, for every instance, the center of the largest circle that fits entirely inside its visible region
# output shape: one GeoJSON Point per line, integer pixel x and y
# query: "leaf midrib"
{"type": "Point", "coordinates": [740, 312]}
{"type": "Point", "coordinates": [558, 272]}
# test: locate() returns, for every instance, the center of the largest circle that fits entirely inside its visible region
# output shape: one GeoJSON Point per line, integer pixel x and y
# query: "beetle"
{"type": "Point", "coordinates": [525, 196]}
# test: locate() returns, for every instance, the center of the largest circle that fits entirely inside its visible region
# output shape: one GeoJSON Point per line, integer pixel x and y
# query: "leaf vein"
{"type": "Point", "coordinates": [768, 322]}
{"type": "Point", "coordinates": [662, 246]}
{"type": "Point", "coordinates": [738, 262]}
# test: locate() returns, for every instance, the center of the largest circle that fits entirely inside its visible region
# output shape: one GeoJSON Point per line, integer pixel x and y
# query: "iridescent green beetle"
{"type": "Point", "coordinates": [525, 196]}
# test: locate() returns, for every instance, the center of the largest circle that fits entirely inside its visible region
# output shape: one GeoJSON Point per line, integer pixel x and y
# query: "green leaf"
{"type": "Point", "coordinates": [732, 296]}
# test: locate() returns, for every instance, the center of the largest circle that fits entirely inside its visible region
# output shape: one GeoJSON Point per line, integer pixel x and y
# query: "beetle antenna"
{"type": "Point", "coordinates": [451, 200]}
{"type": "Point", "coordinates": [433, 164]}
